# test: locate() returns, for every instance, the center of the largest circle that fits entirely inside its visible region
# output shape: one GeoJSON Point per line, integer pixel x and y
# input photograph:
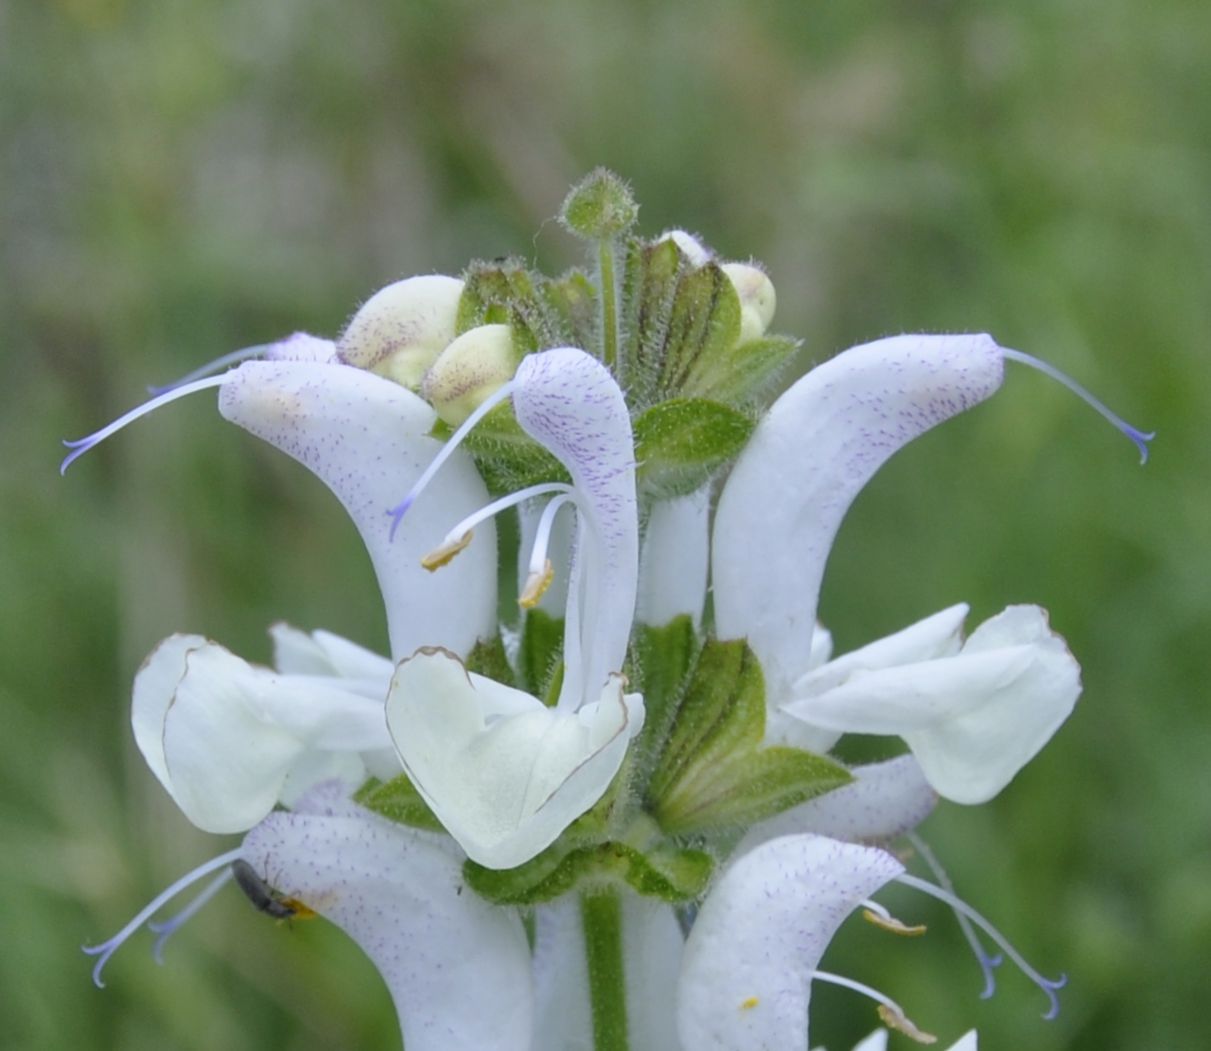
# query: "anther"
{"type": "Point", "coordinates": [445, 552]}
{"type": "Point", "coordinates": [891, 1012]}
{"type": "Point", "coordinates": [875, 913]}
{"type": "Point", "coordinates": [536, 586]}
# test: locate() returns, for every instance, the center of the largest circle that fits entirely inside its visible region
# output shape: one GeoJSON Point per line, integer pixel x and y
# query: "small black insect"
{"type": "Point", "coordinates": [264, 897]}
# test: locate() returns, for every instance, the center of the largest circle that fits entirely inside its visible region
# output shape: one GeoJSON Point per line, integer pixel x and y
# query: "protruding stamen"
{"type": "Point", "coordinates": [874, 913]}
{"type": "Point", "coordinates": [536, 586]}
{"type": "Point", "coordinates": [458, 536]}
{"type": "Point", "coordinates": [988, 961]}
{"type": "Point", "coordinates": [220, 364]}
{"type": "Point", "coordinates": [542, 532]}
{"type": "Point", "coordinates": [903, 1024]}
{"type": "Point", "coordinates": [81, 445]}
{"type": "Point", "coordinates": [106, 949]}
{"type": "Point", "coordinates": [169, 927]}
{"type": "Point", "coordinates": [891, 1012]}
{"type": "Point", "coordinates": [1048, 985]}
{"type": "Point", "coordinates": [399, 510]}
{"type": "Point", "coordinates": [445, 552]}
{"type": "Point", "coordinates": [1140, 439]}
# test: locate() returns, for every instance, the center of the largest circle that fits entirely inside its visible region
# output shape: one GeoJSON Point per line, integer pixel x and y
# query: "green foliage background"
{"type": "Point", "coordinates": [181, 178]}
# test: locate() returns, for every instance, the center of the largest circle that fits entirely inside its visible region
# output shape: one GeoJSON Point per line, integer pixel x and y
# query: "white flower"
{"type": "Point", "coordinates": [229, 741]}
{"type": "Point", "coordinates": [505, 773]}
{"type": "Point", "coordinates": [971, 718]}
{"type": "Point", "coordinates": [457, 967]}
{"type": "Point", "coordinates": [755, 947]}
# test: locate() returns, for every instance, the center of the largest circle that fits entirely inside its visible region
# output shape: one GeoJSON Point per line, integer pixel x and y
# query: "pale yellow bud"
{"type": "Point", "coordinates": [475, 365]}
{"type": "Point", "coordinates": [757, 298]}
{"type": "Point", "coordinates": [401, 329]}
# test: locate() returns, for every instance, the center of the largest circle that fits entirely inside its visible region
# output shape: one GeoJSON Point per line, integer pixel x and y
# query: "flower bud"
{"type": "Point", "coordinates": [694, 250]}
{"type": "Point", "coordinates": [401, 329]}
{"type": "Point", "coordinates": [757, 298]}
{"type": "Point", "coordinates": [599, 206]}
{"type": "Point", "coordinates": [475, 365]}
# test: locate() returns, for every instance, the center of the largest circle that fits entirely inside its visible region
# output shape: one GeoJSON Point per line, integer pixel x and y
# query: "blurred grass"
{"type": "Point", "coordinates": [183, 178]}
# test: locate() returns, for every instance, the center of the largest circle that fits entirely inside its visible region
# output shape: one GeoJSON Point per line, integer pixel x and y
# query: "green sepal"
{"type": "Point", "coordinates": [399, 801]}
{"type": "Point", "coordinates": [652, 271]}
{"type": "Point", "coordinates": [679, 444]}
{"type": "Point", "coordinates": [505, 292]}
{"type": "Point", "coordinates": [714, 773]}
{"type": "Point", "coordinates": [599, 207]}
{"type": "Point", "coordinates": [746, 789]}
{"type": "Point", "coordinates": [573, 300]}
{"type": "Point", "coordinates": [660, 661]}
{"type": "Point", "coordinates": [741, 374]}
{"type": "Point", "coordinates": [671, 874]}
{"type": "Point", "coordinates": [488, 658]}
{"type": "Point", "coordinates": [703, 327]}
{"type": "Point", "coordinates": [540, 652]}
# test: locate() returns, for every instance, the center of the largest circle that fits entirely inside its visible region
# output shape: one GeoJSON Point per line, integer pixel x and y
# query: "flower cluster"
{"type": "Point", "coordinates": [611, 821]}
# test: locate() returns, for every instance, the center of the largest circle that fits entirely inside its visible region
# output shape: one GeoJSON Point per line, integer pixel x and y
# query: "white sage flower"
{"type": "Point", "coordinates": [504, 772]}
{"type": "Point", "coordinates": [972, 719]}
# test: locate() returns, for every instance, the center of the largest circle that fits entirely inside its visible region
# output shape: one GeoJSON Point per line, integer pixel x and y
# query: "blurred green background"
{"type": "Point", "coordinates": [178, 179]}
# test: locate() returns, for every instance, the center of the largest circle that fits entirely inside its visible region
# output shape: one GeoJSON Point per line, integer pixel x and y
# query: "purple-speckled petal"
{"type": "Point", "coordinates": [365, 438]}
{"type": "Point", "coordinates": [458, 968]}
{"type": "Point", "coordinates": [809, 457]}
{"type": "Point", "coordinates": [568, 401]}
{"type": "Point", "coordinates": [746, 976]}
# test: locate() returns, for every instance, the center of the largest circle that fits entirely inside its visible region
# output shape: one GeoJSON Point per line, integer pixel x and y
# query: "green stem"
{"type": "Point", "coordinates": [601, 915]}
{"type": "Point", "coordinates": [609, 307]}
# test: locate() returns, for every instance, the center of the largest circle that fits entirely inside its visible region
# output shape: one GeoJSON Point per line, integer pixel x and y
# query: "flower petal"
{"type": "Point", "coordinates": [224, 737]}
{"type": "Point", "coordinates": [676, 556]}
{"type": "Point", "coordinates": [938, 635]}
{"type": "Point", "coordinates": [457, 967]}
{"type": "Point", "coordinates": [746, 976]}
{"type": "Point", "coordinates": [807, 460]}
{"type": "Point", "coordinates": [885, 800]}
{"type": "Point", "coordinates": [569, 401]}
{"type": "Point", "coordinates": [504, 773]}
{"type": "Point", "coordinates": [366, 439]}
{"type": "Point", "coordinates": [972, 720]}
{"type": "Point", "coordinates": [323, 653]}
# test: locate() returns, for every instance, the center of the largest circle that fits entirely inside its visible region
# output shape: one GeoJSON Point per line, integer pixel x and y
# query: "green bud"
{"type": "Point", "coordinates": [401, 329]}
{"type": "Point", "coordinates": [476, 364]}
{"type": "Point", "coordinates": [600, 206]}
{"type": "Point", "coordinates": [757, 299]}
